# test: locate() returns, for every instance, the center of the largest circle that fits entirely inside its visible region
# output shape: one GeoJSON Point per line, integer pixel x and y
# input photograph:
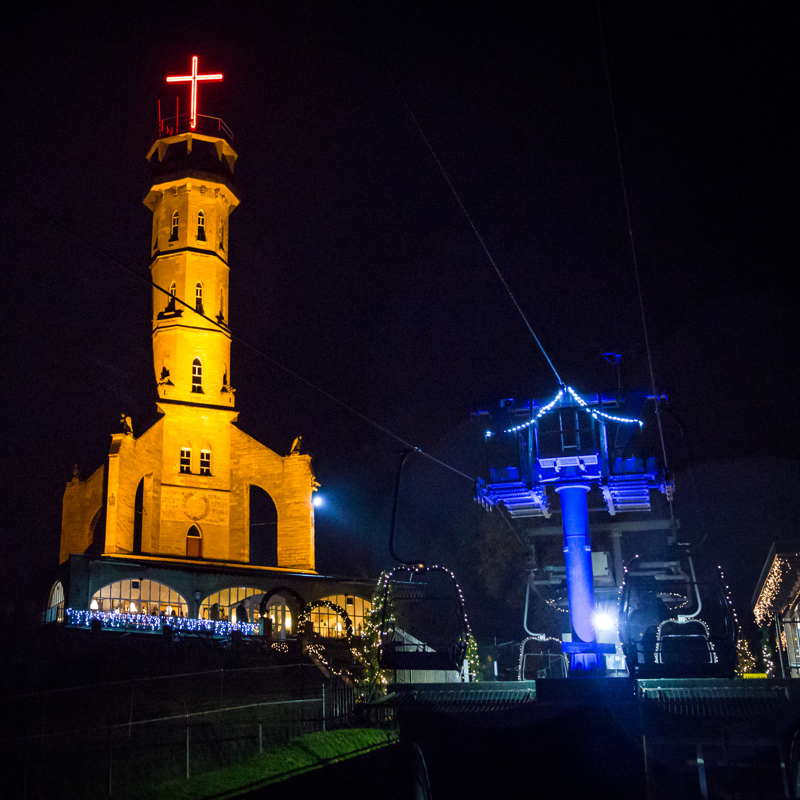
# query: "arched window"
{"type": "Point", "coordinates": [198, 297]}
{"type": "Point", "coordinates": [139, 597]}
{"type": "Point", "coordinates": [281, 615]}
{"type": "Point", "coordinates": [205, 462]}
{"type": "Point", "coordinates": [263, 538]}
{"type": "Point", "coordinates": [225, 604]}
{"type": "Point", "coordinates": [55, 604]}
{"type": "Point", "coordinates": [138, 517]}
{"type": "Point", "coordinates": [174, 235]}
{"type": "Point", "coordinates": [221, 234]}
{"type": "Point", "coordinates": [197, 376]}
{"type": "Point", "coordinates": [327, 622]}
{"type": "Point", "coordinates": [221, 315]}
{"type": "Point", "coordinates": [186, 460]}
{"type": "Point", "coordinates": [194, 543]}
{"type": "Point", "coordinates": [173, 290]}
{"type": "Point", "coordinates": [201, 226]}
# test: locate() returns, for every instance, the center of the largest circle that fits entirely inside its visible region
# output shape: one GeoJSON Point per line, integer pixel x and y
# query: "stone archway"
{"type": "Point", "coordinates": [263, 528]}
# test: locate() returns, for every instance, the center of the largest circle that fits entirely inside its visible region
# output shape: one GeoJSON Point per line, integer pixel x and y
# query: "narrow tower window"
{"type": "Point", "coordinates": [205, 462]}
{"type": "Point", "coordinates": [201, 226]}
{"type": "Point", "coordinates": [221, 234]}
{"type": "Point", "coordinates": [197, 376]}
{"type": "Point", "coordinates": [186, 460]}
{"type": "Point", "coordinates": [194, 543]}
{"type": "Point", "coordinates": [221, 315]}
{"type": "Point", "coordinates": [198, 297]}
{"type": "Point", "coordinates": [174, 236]}
{"type": "Point", "coordinates": [173, 290]}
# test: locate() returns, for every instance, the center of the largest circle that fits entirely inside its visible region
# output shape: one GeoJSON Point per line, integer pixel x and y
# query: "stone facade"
{"type": "Point", "coordinates": [193, 467]}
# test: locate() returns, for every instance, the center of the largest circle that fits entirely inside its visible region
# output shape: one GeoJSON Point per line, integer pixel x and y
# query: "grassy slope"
{"type": "Point", "coordinates": [293, 758]}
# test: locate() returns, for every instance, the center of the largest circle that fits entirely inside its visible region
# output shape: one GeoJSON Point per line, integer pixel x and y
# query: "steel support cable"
{"type": "Point", "coordinates": [633, 247]}
{"type": "Point", "coordinates": [458, 199]}
{"type": "Point", "coordinates": [121, 265]}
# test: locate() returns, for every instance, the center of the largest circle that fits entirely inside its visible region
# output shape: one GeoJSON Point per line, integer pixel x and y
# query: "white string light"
{"type": "Point", "coordinates": [769, 592]}
{"type": "Point", "coordinates": [542, 411]}
{"type": "Point", "coordinates": [595, 413]}
{"type": "Point", "coordinates": [583, 404]}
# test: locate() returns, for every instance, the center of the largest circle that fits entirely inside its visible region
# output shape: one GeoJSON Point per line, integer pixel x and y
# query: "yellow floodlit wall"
{"type": "Point", "coordinates": [197, 467]}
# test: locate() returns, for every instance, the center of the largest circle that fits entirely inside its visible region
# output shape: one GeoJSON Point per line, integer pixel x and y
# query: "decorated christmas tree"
{"type": "Point", "coordinates": [745, 660]}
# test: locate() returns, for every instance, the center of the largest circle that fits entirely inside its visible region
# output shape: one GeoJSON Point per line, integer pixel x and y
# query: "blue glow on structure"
{"type": "Point", "coordinates": [578, 558]}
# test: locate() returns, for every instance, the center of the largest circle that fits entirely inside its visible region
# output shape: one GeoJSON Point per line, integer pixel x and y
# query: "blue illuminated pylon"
{"type": "Point", "coordinates": [580, 587]}
{"type": "Point", "coordinates": [565, 445]}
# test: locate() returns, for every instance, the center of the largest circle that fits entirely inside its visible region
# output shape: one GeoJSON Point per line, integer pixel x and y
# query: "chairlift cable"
{"type": "Point", "coordinates": [458, 199]}
{"type": "Point", "coordinates": [126, 268]}
{"type": "Point", "coordinates": [635, 260]}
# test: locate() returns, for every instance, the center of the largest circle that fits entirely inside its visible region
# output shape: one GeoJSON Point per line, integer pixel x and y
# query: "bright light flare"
{"type": "Point", "coordinates": [317, 501]}
{"type": "Point", "coordinates": [603, 621]}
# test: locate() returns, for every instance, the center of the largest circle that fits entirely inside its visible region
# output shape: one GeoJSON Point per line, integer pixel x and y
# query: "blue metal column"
{"type": "Point", "coordinates": [580, 588]}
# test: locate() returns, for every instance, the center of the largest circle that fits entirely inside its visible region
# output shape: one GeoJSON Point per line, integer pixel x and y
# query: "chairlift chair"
{"type": "Point", "coordinates": [430, 629]}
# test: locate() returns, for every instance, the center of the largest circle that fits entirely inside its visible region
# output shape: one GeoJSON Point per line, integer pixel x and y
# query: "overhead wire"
{"type": "Point", "coordinates": [648, 350]}
{"type": "Point", "coordinates": [457, 196]}
{"type": "Point", "coordinates": [253, 348]}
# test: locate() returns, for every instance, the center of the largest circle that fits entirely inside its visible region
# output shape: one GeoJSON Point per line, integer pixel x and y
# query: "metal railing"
{"type": "Point", "coordinates": [210, 126]}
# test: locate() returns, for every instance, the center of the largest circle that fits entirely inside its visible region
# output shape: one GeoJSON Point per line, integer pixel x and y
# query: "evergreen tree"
{"type": "Point", "coordinates": [768, 653]}
{"type": "Point", "coordinates": [745, 660]}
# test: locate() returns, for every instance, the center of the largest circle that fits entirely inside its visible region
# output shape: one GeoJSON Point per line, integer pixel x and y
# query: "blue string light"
{"type": "Point", "coordinates": [143, 622]}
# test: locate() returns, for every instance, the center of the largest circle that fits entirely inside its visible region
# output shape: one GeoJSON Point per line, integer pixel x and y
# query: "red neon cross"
{"type": "Point", "coordinates": [193, 79]}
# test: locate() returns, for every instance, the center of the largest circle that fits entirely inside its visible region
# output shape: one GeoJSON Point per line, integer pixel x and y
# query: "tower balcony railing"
{"type": "Point", "coordinates": [209, 126]}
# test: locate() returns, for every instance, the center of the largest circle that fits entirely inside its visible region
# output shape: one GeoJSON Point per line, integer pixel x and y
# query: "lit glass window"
{"type": "Point", "coordinates": [198, 297]}
{"type": "Point", "coordinates": [139, 597]}
{"type": "Point", "coordinates": [226, 603]}
{"type": "Point", "coordinates": [186, 459]}
{"type": "Point", "coordinates": [205, 462]}
{"type": "Point", "coordinates": [55, 605]}
{"type": "Point", "coordinates": [174, 235]}
{"type": "Point", "coordinates": [201, 226]}
{"type": "Point", "coordinates": [328, 622]}
{"type": "Point", "coordinates": [197, 376]}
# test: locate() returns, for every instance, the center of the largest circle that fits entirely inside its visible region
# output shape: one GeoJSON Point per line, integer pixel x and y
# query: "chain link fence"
{"type": "Point", "coordinates": [92, 741]}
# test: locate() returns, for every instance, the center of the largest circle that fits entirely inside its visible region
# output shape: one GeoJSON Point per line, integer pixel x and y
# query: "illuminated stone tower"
{"type": "Point", "coordinates": [188, 478]}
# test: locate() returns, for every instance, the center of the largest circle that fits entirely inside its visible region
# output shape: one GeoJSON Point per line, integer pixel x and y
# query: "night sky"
{"type": "Point", "coordinates": [353, 266]}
